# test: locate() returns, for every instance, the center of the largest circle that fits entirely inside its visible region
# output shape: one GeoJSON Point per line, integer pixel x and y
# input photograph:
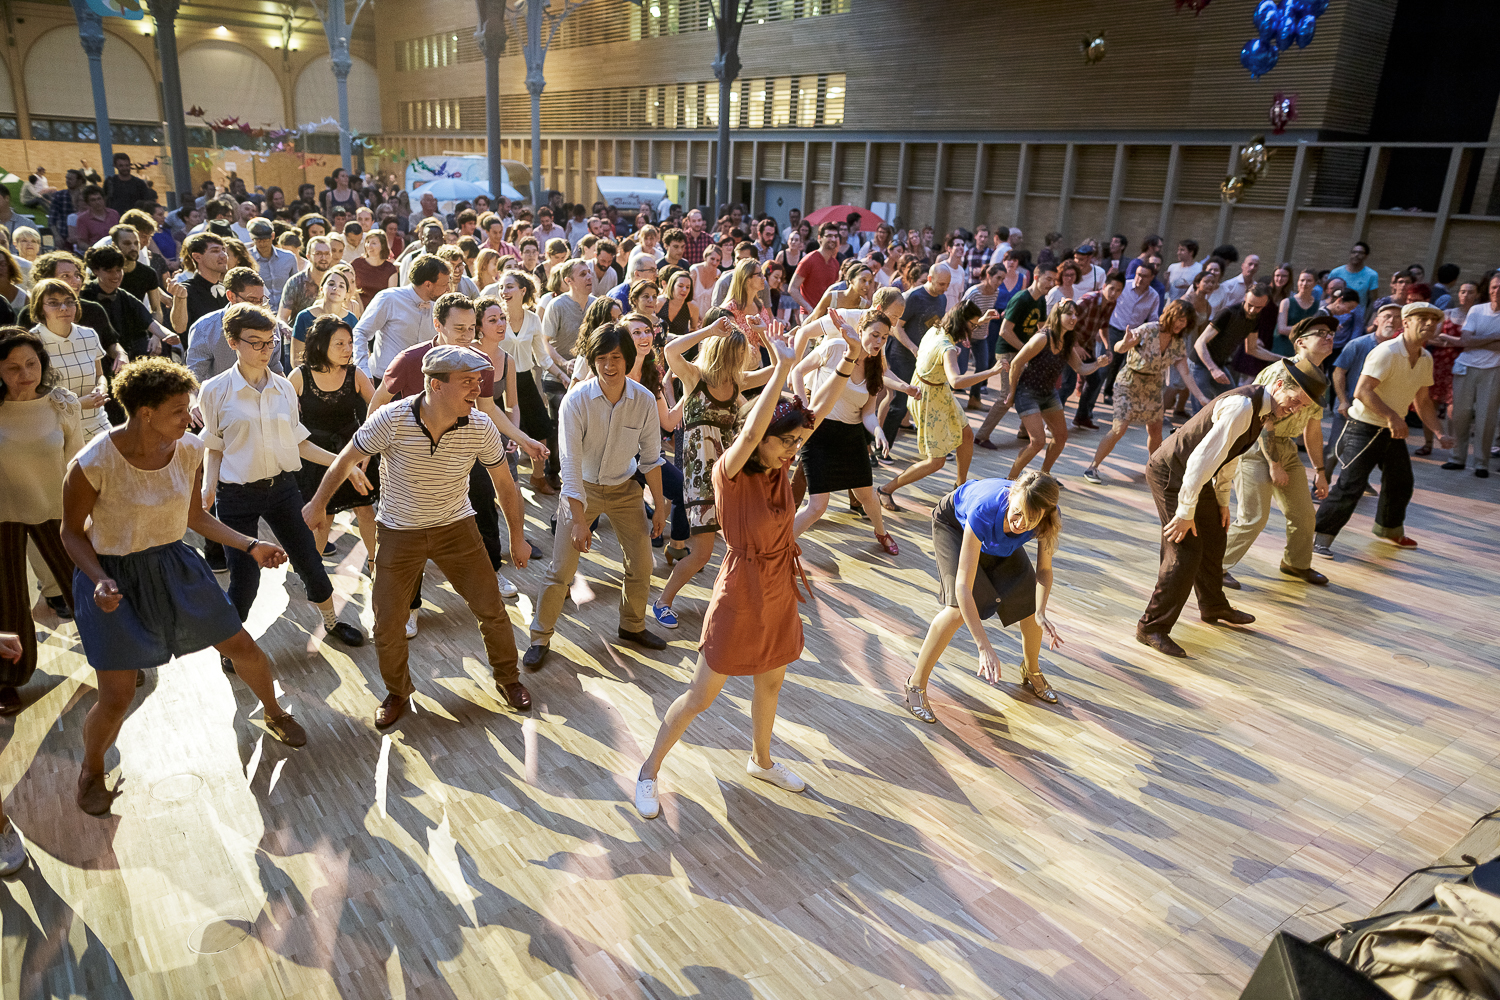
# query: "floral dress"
{"type": "Point", "coordinates": [939, 421]}
{"type": "Point", "coordinates": [1139, 386]}
{"type": "Point", "coordinates": [1441, 390]}
{"type": "Point", "coordinates": [707, 424]}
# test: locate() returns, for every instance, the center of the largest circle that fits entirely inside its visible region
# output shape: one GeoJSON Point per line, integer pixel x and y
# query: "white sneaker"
{"type": "Point", "coordinates": [13, 849]}
{"type": "Point", "coordinates": [777, 774]}
{"type": "Point", "coordinates": [507, 589]}
{"type": "Point", "coordinates": [645, 798]}
{"type": "Point", "coordinates": [411, 625]}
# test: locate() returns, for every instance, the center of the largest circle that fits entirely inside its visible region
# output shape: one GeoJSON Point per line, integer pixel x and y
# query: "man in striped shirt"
{"type": "Point", "coordinates": [428, 444]}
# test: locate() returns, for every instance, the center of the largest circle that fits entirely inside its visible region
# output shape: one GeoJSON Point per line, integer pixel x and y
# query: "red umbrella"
{"type": "Point", "coordinates": [868, 220]}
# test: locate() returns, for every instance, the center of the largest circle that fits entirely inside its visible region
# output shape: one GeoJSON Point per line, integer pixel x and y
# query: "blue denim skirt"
{"type": "Point", "coordinates": [170, 605]}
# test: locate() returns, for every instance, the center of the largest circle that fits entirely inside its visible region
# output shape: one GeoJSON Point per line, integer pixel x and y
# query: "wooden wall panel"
{"type": "Point", "coordinates": [1002, 163]}
{"type": "Point", "coordinates": [1146, 171]}
{"type": "Point", "coordinates": [796, 152]}
{"type": "Point", "coordinates": [1047, 168]}
{"type": "Point", "coordinates": [887, 163]}
{"type": "Point", "coordinates": [1095, 170]}
{"type": "Point", "coordinates": [822, 161]}
{"type": "Point", "coordinates": [918, 209]}
{"type": "Point", "coordinates": [923, 165]}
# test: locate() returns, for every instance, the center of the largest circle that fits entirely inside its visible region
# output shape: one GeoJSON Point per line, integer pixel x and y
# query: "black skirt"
{"type": "Point", "coordinates": [1002, 584]}
{"type": "Point", "coordinates": [836, 457]}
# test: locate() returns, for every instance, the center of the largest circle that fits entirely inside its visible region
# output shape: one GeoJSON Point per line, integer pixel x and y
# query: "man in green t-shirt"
{"type": "Point", "coordinates": [1024, 315]}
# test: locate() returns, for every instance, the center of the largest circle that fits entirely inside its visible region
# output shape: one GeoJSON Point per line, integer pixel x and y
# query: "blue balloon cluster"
{"type": "Point", "coordinates": [1280, 24]}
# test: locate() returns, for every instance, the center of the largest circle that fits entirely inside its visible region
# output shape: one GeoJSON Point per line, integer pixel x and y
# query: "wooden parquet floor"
{"type": "Point", "coordinates": [1143, 839]}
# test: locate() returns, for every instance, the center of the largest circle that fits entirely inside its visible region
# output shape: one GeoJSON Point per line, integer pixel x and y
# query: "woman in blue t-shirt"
{"type": "Point", "coordinates": [979, 534]}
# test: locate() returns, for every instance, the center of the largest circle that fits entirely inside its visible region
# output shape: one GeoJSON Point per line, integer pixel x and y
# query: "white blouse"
{"type": "Point", "coordinates": [258, 430]}
{"type": "Point", "coordinates": [38, 438]}
{"type": "Point", "coordinates": [138, 509]}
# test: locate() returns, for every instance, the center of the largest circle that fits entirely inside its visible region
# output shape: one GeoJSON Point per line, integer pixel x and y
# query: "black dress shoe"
{"type": "Point", "coordinates": [536, 655]}
{"type": "Point", "coordinates": [643, 638]}
{"type": "Point", "coordinates": [227, 664]}
{"type": "Point", "coordinates": [1161, 642]}
{"type": "Point", "coordinates": [1450, 466]}
{"type": "Point", "coordinates": [59, 606]}
{"type": "Point", "coordinates": [515, 695]}
{"type": "Point", "coordinates": [1230, 581]}
{"type": "Point", "coordinates": [1481, 473]}
{"type": "Point", "coordinates": [346, 633]}
{"type": "Point", "coordinates": [216, 560]}
{"type": "Point", "coordinates": [330, 549]}
{"type": "Point", "coordinates": [1310, 575]}
{"type": "Point", "coordinates": [1229, 616]}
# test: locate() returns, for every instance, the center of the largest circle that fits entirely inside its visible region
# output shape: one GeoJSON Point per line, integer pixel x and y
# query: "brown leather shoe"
{"type": "Point", "coordinates": [1230, 581]}
{"type": "Point", "coordinates": [94, 795]}
{"type": "Point", "coordinates": [515, 695]}
{"type": "Point", "coordinates": [1229, 616]}
{"type": "Point", "coordinates": [391, 710]}
{"type": "Point", "coordinates": [1161, 642]}
{"type": "Point", "coordinates": [541, 487]}
{"type": "Point", "coordinates": [1310, 575]}
{"type": "Point", "coordinates": [287, 729]}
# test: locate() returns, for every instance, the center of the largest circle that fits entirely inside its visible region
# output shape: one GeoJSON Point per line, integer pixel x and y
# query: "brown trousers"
{"type": "Point", "coordinates": [458, 550]}
{"type": "Point", "coordinates": [16, 598]}
{"type": "Point", "coordinates": [1195, 564]}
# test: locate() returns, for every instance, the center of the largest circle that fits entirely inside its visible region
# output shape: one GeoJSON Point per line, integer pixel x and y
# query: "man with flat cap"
{"type": "Point", "coordinates": [1190, 475]}
{"type": "Point", "coordinates": [428, 442]}
{"type": "Point", "coordinates": [1273, 468]}
{"type": "Point", "coordinates": [1397, 375]}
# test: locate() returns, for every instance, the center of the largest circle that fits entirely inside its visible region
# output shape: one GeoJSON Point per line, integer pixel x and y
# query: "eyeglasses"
{"type": "Point", "coordinates": [258, 345]}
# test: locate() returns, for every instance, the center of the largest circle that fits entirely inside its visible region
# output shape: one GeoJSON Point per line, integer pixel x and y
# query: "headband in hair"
{"type": "Point", "coordinates": [789, 408]}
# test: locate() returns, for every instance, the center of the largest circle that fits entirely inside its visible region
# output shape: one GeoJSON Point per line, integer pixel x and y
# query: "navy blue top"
{"type": "Point", "coordinates": [980, 505]}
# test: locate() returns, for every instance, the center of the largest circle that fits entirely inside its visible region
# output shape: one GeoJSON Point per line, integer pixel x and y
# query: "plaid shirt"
{"type": "Point", "coordinates": [57, 216]}
{"type": "Point", "coordinates": [1093, 314]}
{"type": "Point", "coordinates": [976, 257]}
{"type": "Point", "coordinates": [696, 245]}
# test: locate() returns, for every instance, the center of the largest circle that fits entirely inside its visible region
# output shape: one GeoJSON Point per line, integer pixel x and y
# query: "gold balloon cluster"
{"type": "Point", "coordinates": [1252, 167]}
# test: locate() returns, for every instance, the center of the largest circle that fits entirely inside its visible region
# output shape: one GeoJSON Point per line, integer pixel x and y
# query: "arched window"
{"type": "Point", "coordinates": [57, 79]}
{"type": "Point", "coordinates": [227, 80]}
{"type": "Point", "coordinates": [317, 95]}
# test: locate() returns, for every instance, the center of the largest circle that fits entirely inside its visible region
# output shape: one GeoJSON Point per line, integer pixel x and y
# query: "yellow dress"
{"type": "Point", "coordinates": [938, 419]}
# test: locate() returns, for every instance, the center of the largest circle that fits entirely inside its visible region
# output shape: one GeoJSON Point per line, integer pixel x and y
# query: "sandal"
{"type": "Point", "coordinates": [95, 796]}
{"type": "Point", "coordinates": [918, 705]}
{"type": "Point", "coordinates": [889, 544]}
{"type": "Point", "coordinates": [675, 553]}
{"type": "Point", "coordinates": [1029, 682]}
{"type": "Point", "coordinates": [855, 507]}
{"type": "Point", "coordinates": [887, 500]}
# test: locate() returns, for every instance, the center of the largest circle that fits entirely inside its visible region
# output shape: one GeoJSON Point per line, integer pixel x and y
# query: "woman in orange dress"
{"type": "Point", "coordinates": [752, 627]}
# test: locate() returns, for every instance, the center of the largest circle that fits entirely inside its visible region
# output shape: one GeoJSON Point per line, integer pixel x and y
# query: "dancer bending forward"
{"type": "Point", "coordinates": [979, 534]}
{"type": "Point", "coordinates": [752, 626]}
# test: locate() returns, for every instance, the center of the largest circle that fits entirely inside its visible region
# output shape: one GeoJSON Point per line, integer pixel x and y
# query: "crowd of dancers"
{"type": "Point", "coordinates": [735, 395]}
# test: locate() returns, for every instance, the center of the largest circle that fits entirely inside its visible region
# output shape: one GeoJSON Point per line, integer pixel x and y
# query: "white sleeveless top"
{"type": "Point", "coordinates": [138, 509]}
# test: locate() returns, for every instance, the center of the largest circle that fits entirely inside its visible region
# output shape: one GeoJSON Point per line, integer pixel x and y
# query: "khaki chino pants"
{"type": "Point", "coordinates": [1254, 490]}
{"type": "Point", "coordinates": [626, 511]}
{"type": "Point", "coordinates": [458, 550]}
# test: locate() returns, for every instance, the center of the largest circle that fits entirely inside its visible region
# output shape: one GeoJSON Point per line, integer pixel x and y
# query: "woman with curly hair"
{"type": "Point", "coordinates": [141, 594]}
{"type": "Point", "coordinates": [979, 535]}
{"type": "Point", "coordinates": [1149, 349]}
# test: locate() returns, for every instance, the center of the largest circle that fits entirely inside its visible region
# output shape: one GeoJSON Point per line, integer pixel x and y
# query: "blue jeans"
{"type": "Point", "coordinates": [983, 352]}
{"type": "Point", "coordinates": [1206, 383]}
{"type": "Point", "coordinates": [279, 502]}
{"type": "Point", "coordinates": [671, 488]}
